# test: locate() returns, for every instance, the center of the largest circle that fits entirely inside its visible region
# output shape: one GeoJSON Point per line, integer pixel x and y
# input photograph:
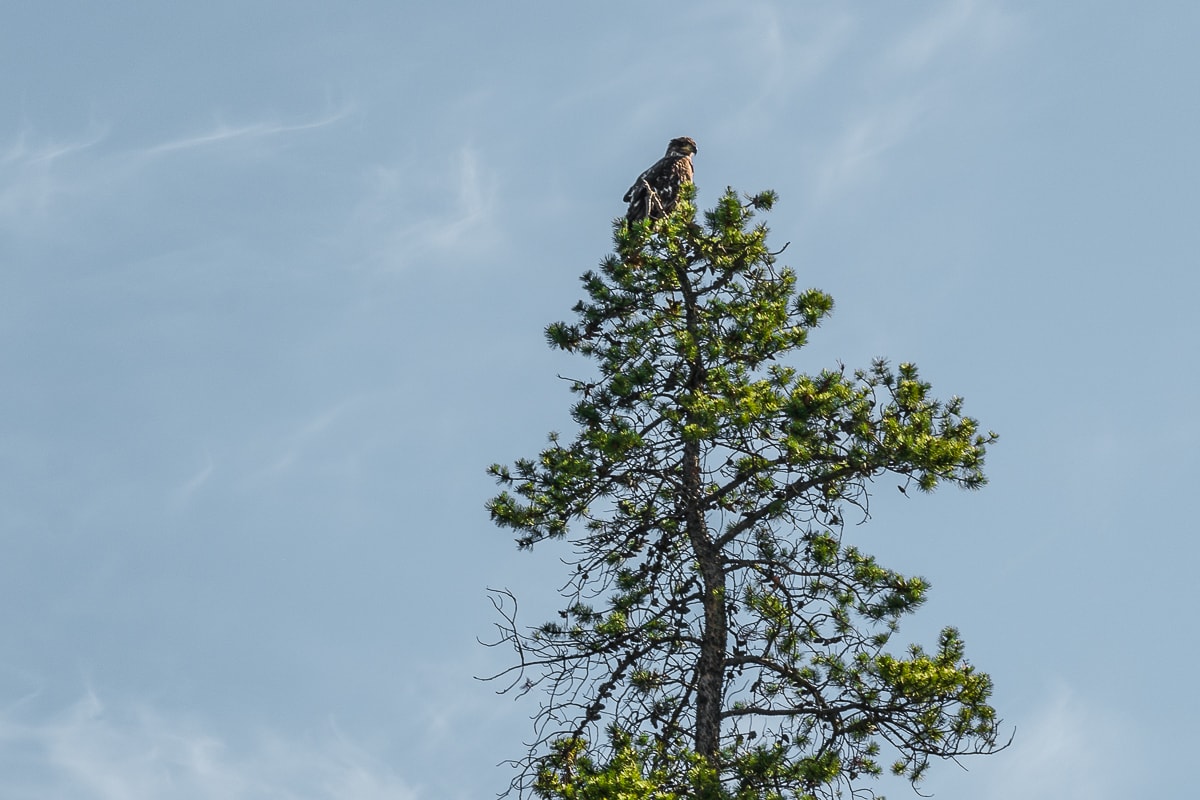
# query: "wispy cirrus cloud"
{"type": "Point", "coordinates": [1069, 747]}
{"type": "Point", "coordinates": [790, 55]}
{"type": "Point", "coordinates": [223, 133]}
{"type": "Point", "coordinates": [298, 443]}
{"type": "Point", "coordinates": [35, 173]}
{"type": "Point", "coordinates": [854, 154]}
{"type": "Point", "coordinates": [446, 211]}
{"type": "Point", "coordinates": [972, 26]}
{"type": "Point", "coordinates": [471, 214]}
{"type": "Point", "coordinates": [39, 172]}
{"type": "Point", "coordinates": [24, 150]}
{"type": "Point", "coordinates": [96, 751]}
{"type": "Point", "coordinates": [911, 80]}
{"type": "Point", "coordinates": [185, 491]}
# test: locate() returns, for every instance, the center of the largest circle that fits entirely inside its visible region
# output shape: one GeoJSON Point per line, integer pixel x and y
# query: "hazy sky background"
{"type": "Point", "coordinates": [273, 279]}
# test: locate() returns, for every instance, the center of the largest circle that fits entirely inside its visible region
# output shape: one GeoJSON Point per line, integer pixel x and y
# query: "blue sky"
{"type": "Point", "coordinates": [273, 279]}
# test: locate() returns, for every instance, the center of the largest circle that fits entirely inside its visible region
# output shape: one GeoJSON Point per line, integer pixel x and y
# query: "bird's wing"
{"type": "Point", "coordinates": [642, 180]}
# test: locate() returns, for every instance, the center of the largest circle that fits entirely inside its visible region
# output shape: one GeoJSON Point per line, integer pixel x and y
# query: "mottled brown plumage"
{"type": "Point", "coordinates": [656, 191]}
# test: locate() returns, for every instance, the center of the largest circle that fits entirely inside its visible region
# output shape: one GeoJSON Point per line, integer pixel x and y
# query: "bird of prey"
{"type": "Point", "coordinates": [656, 191]}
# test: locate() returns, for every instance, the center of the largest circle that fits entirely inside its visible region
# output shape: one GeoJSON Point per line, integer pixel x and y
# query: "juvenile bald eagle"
{"type": "Point", "coordinates": [656, 191]}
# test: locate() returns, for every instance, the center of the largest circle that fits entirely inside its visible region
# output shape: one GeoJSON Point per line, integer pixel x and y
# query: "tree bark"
{"type": "Point", "coordinates": [710, 666]}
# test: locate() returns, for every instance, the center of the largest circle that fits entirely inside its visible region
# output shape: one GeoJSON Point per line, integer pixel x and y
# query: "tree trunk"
{"type": "Point", "coordinates": [710, 667]}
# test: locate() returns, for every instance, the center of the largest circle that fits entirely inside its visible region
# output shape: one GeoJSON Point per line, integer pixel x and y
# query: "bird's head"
{"type": "Point", "coordinates": [682, 146]}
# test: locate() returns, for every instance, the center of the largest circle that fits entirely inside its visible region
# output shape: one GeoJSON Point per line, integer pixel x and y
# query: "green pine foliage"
{"type": "Point", "coordinates": [718, 637]}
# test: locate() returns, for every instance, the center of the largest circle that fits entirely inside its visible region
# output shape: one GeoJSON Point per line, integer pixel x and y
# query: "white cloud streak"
{"type": "Point", "coordinates": [1069, 748]}
{"type": "Point", "coordinates": [412, 213]}
{"type": "Point", "coordinates": [911, 76]}
{"type": "Point", "coordinates": [94, 752]}
{"type": "Point", "coordinates": [32, 173]}
{"type": "Point", "coordinates": [976, 25]}
{"type": "Point", "coordinates": [785, 50]}
{"type": "Point", "coordinates": [1070, 751]}
{"type": "Point", "coordinates": [225, 134]}
{"type": "Point", "coordinates": [35, 176]}
{"type": "Point", "coordinates": [853, 155]}
{"type": "Point", "coordinates": [475, 200]}
{"type": "Point", "coordinates": [23, 152]}
{"type": "Point", "coordinates": [184, 493]}
{"type": "Point", "coordinates": [294, 445]}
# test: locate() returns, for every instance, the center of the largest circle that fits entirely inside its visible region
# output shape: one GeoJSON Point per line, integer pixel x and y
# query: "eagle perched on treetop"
{"type": "Point", "coordinates": [656, 191]}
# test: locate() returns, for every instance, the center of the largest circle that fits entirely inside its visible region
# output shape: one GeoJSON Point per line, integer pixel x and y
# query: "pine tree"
{"type": "Point", "coordinates": [719, 638]}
